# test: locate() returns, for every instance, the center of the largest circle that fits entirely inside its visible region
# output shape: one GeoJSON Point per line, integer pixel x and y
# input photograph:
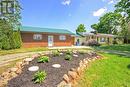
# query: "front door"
{"type": "Point", "coordinates": [50, 41]}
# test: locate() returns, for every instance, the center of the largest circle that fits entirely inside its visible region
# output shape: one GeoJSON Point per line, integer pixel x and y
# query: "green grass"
{"type": "Point", "coordinates": [22, 50]}
{"type": "Point", "coordinates": [113, 71]}
{"type": "Point", "coordinates": [125, 47]}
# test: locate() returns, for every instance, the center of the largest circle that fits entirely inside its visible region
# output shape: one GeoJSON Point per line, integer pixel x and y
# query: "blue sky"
{"type": "Point", "coordinates": [64, 14]}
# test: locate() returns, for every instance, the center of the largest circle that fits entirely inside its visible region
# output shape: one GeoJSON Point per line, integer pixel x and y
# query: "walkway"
{"type": "Point", "coordinates": [123, 53]}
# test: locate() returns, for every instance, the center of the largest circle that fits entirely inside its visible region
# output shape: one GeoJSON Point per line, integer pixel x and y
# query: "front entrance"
{"type": "Point", "coordinates": [50, 41]}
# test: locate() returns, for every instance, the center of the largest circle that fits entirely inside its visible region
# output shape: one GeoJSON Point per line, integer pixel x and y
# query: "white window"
{"type": "Point", "coordinates": [37, 37]}
{"type": "Point", "coordinates": [62, 37]}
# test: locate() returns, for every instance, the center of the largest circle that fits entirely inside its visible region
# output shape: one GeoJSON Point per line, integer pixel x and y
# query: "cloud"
{"type": "Point", "coordinates": [99, 12]}
{"type": "Point", "coordinates": [111, 2]}
{"type": "Point", "coordinates": [66, 2]}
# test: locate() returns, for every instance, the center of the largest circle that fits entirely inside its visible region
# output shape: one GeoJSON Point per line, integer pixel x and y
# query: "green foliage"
{"type": "Point", "coordinates": [56, 53]}
{"type": "Point", "coordinates": [69, 52]}
{"type": "Point", "coordinates": [68, 57]}
{"type": "Point", "coordinates": [81, 28]}
{"type": "Point", "coordinates": [8, 23]}
{"type": "Point", "coordinates": [43, 59]}
{"type": "Point", "coordinates": [108, 23]}
{"type": "Point", "coordinates": [39, 76]}
{"type": "Point", "coordinates": [124, 6]}
{"type": "Point", "coordinates": [82, 52]}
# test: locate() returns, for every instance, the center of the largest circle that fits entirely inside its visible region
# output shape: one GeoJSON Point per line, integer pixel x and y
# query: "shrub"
{"type": "Point", "coordinates": [56, 53]}
{"type": "Point", "coordinates": [68, 57]}
{"type": "Point", "coordinates": [82, 52]}
{"type": "Point", "coordinates": [69, 52]}
{"type": "Point", "coordinates": [39, 76]}
{"type": "Point", "coordinates": [43, 59]}
{"type": "Point", "coordinates": [92, 43]}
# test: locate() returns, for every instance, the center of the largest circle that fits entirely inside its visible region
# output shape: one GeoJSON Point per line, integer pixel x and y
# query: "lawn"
{"type": "Point", "coordinates": [125, 48]}
{"type": "Point", "coordinates": [22, 50]}
{"type": "Point", "coordinates": [113, 71]}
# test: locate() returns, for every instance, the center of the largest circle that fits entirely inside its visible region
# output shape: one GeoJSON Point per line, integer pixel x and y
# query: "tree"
{"type": "Point", "coordinates": [123, 6]}
{"type": "Point", "coordinates": [95, 26]}
{"type": "Point", "coordinates": [108, 23]}
{"type": "Point", "coordinates": [8, 23]}
{"type": "Point", "coordinates": [80, 29]}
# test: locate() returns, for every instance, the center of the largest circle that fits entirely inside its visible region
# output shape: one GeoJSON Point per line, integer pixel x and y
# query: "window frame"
{"type": "Point", "coordinates": [36, 37]}
{"type": "Point", "coordinates": [62, 37]}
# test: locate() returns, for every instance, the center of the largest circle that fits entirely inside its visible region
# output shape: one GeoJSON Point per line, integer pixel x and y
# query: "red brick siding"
{"type": "Point", "coordinates": [28, 41]}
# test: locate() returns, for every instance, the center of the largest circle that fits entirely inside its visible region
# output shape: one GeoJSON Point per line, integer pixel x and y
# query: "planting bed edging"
{"type": "Point", "coordinates": [16, 70]}
{"type": "Point", "coordinates": [68, 79]}
{"type": "Point", "coordinates": [73, 75]}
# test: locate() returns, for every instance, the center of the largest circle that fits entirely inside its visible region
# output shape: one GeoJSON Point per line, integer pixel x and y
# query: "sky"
{"type": "Point", "coordinates": [64, 14]}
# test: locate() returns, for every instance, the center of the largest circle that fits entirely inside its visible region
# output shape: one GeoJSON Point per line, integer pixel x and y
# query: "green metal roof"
{"type": "Point", "coordinates": [46, 30]}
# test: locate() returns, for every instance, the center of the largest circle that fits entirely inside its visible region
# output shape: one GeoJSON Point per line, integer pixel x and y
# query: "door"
{"type": "Point", "coordinates": [50, 41]}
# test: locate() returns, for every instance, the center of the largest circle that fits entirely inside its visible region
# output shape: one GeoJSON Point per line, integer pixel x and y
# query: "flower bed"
{"type": "Point", "coordinates": [54, 75]}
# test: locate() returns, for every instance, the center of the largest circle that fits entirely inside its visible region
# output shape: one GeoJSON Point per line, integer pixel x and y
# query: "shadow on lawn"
{"type": "Point", "coordinates": [128, 66]}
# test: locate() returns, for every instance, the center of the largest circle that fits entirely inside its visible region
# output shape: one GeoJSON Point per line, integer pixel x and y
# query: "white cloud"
{"type": "Point", "coordinates": [99, 12]}
{"type": "Point", "coordinates": [66, 2]}
{"type": "Point", "coordinates": [111, 2]}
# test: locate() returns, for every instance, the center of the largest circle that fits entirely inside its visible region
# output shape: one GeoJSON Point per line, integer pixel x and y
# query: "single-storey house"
{"type": "Point", "coordinates": [100, 38]}
{"type": "Point", "coordinates": [44, 37]}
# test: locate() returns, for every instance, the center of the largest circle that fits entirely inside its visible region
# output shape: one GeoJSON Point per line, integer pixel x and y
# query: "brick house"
{"type": "Point", "coordinates": [44, 37]}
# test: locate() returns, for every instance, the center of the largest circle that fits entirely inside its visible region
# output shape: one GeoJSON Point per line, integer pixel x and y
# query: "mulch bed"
{"type": "Point", "coordinates": [54, 75]}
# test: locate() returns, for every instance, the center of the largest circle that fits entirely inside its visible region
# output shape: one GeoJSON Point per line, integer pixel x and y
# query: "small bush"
{"type": "Point", "coordinates": [39, 76]}
{"type": "Point", "coordinates": [43, 59]}
{"type": "Point", "coordinates": [92, 43]}
{"type": "Point", "coordinates": [82, 52]}
{"type": "Point", "coordinates": [56, 53]}
{"type": "Point", "coordinates": [68, 57]}
{"type": "Point", "coordinates": [69, 52]}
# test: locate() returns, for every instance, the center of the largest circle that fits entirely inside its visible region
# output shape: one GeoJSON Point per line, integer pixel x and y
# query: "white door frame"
{"type": "Point", "coordinates": [50, 40]}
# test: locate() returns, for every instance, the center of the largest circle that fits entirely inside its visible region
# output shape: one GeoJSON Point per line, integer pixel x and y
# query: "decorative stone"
{"type": "Point", "coordinates": [79, 71]}
{"type": "Point", "coordinates": [75, 55]}
{"type": "Point", "coordinates": [67, 85]}
{"type": "Point", "coordinates": [19, 64]}
{"type": "Point", "coordinates": [18, 71]}
{"type": "Point", "coordinates": [33, 68]}
{"type": "Point", "coordinates": [61, 53]}
{"type": "Point", "coordinates": [28, 59]}
{"type": "Point", "coordinates": [72, 69]}
{"type": "Point", "coordinates": [72, 74]}
{"type": "Point", "coordinates": [13, 69]}
{"type": "Point", "coordinates": [66, 78]}
{"type": "Point", "coordinates": [35, 56]}
{"type": "Point", "coordinates": [56, 65]}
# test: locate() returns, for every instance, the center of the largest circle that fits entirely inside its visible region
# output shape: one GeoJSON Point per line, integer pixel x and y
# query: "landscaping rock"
{"type": "Point", "coordinates": [72, 69]}
{"type": "Point", "coordinates": [18, 71]}
{"type": "Point", "coordinates": [33, 68]}
{"type": "Point", "coordinates": [61, 53]}
{"type": "Point", "coordinates": [28, 59]}
{"type": "Point", "coordinates": [75, 55]}
{"type": "Point", "coordinates": [67, 85]}
{"type": "Point", "coordinates": [66, 78]}
{"type": "Point", "coordinates": [35, 56]}
{"type": "Point", "coordinates": [13, 69]}
{"type": "Point", "coordinates": [72, 74]}
{"type": "Point", "coordinates": [56, 65]}
{"type": "Point", "coordinates": [19, 64]}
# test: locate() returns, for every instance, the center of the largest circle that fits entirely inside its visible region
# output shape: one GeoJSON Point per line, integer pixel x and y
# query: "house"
{"type": "Point", "coordinates": [100, 38]}
{"type": "Point", "coordinates": [44, 37]}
